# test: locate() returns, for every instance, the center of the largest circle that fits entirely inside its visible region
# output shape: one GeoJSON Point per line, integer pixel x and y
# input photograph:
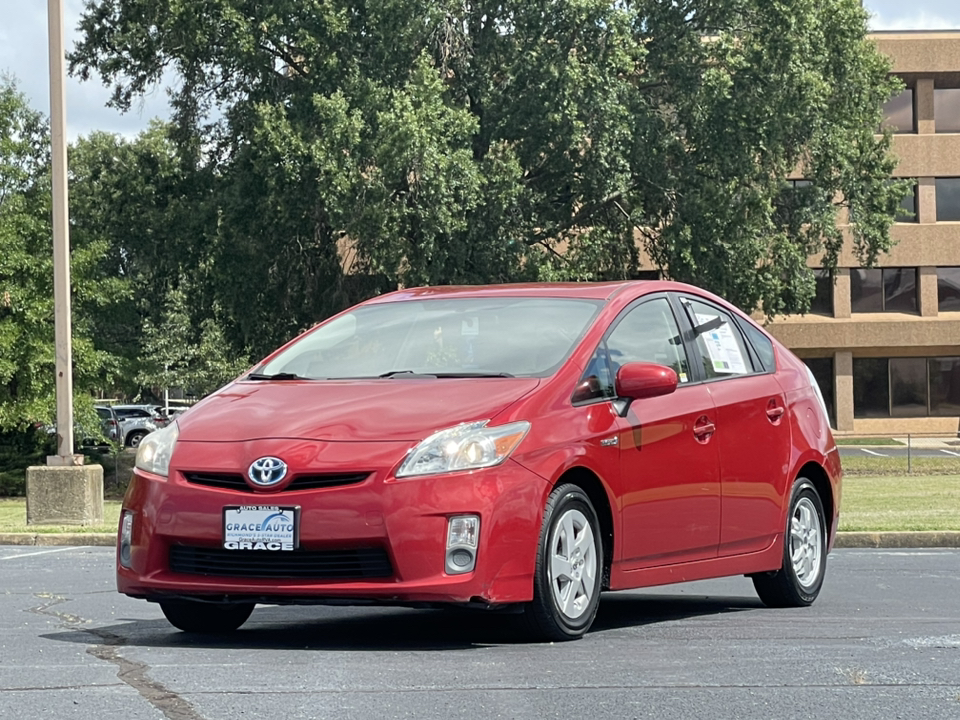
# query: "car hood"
{"type": "Point", "coordinates": [348, 410]}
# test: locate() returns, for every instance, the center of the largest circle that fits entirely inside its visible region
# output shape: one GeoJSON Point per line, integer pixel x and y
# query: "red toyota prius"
{"type": "Point", "coordinates": [500, 447]}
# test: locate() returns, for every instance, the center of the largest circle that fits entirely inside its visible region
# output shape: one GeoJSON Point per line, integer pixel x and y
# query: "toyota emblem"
{"type": "Point", "coordinates": [267, 471]}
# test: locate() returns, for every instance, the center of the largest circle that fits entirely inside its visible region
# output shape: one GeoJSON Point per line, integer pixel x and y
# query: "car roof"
{"type": "Point", "coordinates": [586, 290]}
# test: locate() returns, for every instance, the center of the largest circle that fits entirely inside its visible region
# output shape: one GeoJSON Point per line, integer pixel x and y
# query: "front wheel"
{"type": "Point", "coordinates": [566, 586]}
{"type": "Point", "coordinates": [798, 581]}
{"type": "Point", "coordinates": [205, 617]}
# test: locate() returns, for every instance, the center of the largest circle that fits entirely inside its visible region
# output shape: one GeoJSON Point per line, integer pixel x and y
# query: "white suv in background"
{"type": "Point", "coordinates": [136, 422]}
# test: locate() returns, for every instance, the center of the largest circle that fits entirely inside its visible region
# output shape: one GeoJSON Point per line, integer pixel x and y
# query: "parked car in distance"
{"type": "Point", "coordinates": [109, 423]}
{"type": "Point", "coordinates": [511, 447]}
{"type": "Point", "coordinates": [136, 421]}
{"type": "Point", "coordinates": [162, 415]}
{"type": "Point", "coordinates": [87, 437]}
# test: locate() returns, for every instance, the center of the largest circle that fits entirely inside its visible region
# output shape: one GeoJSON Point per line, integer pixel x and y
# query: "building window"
{"type": "Point", "coordinates": [944, 385]}
{"type": "Point", "coordinates": [794, 196]}
{"type": "Point", "coordinates": [906, 387]}
{"type": "Point", "coordinates": [948, 199]}
{"type": "Point", "coordinates": [822, 369]}
{"type": "Point", "coordinates": [907, 212]}
{"type": "Point", "coordinates": [948, 289]}
{"type": "Point", "coordinates": [822, 302]}
{"type": "Point", "coordinates": [883, 290]}
{"type": "Point", "coordinates": [898, 113]}
{"type": "Point", "coordinates": [946, 110]}
{"type": "Point", "coordinates": [871, 388]}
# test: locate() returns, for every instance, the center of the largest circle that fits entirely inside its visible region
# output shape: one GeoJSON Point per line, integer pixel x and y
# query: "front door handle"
{"type": "Point", "coordinates": [703, 429]}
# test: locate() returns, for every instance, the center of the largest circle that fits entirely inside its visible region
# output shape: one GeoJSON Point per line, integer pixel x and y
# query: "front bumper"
{"type": "Point", "coordinates": [404, 521]}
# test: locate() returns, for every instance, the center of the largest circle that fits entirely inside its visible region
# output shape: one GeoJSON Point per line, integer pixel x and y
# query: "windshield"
{"type": "Point", "coordinates": [459, 337]}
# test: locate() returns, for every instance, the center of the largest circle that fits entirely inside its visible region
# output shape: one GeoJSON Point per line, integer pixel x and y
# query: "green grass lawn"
{"type": "Point", "coordinates": [13, 519]}
{"type": "Point", "coordinates": [913, 502]}
{"type": "Point", "coordinates": [870, 503]}
{"type": "Point", "coordinates": [871, 466]}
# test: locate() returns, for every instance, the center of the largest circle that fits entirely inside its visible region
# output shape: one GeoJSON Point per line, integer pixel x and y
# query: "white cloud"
{"type": "Point", "coordinates": [914, 15]}
{"type": "Point", "coordinates": [917, 21]}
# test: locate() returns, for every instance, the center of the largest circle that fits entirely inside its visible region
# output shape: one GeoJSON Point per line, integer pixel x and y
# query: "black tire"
{"type": "Point", "coordinates": [134, 438]}
{"type": "Point", "coordinates": [568, 509]}
{"type": "Point", "coordinates": [799, 579]}
{"type": "Point", "coordinates": [206, 617]}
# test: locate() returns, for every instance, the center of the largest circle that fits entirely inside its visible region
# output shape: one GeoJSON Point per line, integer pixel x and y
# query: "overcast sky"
{"type": "Point", "coordinates": [23, 53]}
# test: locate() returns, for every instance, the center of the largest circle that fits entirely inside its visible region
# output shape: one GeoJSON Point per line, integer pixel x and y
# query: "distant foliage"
{"type": "Point", "coordinates": [447, 142]}
{"type": "Point", "coordinates": [19, 449]}
{"type": "Point", "coordinates": [323, 153]}
{"type": "Point", "coordinates": [27, 352]}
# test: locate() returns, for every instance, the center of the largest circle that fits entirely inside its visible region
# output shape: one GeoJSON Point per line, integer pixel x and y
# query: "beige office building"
{"type": "Point", "coordinates": [885, 342]}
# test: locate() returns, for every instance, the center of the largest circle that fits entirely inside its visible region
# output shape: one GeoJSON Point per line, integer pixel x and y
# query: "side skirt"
{"type": "Point", "coordinates": [769, 559]}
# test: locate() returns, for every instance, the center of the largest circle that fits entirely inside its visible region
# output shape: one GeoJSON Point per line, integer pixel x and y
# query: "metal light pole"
{"type": "Point", "coordinates": [64, 491]}
{"type": "Point", "coordinates": [61, 241]}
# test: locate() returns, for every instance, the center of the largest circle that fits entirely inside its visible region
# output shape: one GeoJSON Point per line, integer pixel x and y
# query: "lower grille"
{"type": "Point", "coordinates": [354, 563]}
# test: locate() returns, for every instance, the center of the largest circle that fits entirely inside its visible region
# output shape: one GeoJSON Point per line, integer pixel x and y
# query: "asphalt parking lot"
{"type": "Point", "coordinates": [883, 641]}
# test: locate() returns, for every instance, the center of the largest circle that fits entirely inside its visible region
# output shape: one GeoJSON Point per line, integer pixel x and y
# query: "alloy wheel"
{"type": "Point", "coordinates": [806, 542]}
{"type": "Point", "coordinates": [573, 564]}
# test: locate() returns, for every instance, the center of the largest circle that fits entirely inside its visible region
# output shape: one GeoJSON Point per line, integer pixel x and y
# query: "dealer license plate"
{"type": "Point", "coordinates": [261, 527]}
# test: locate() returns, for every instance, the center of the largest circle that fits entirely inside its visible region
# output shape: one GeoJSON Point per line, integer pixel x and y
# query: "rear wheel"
{"type": "Point", "coordinates": [206, 617]}
{"type": "Point", "coordinates": [798, 581]}
{"type": "Point", "coordinates": [566, 588]}
{"type": "Point", "coordinates": [134, 438]}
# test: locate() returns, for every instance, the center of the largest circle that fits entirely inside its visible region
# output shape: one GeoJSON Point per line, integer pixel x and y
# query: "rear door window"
{"type": "Point", "coordinates": [723, 351]}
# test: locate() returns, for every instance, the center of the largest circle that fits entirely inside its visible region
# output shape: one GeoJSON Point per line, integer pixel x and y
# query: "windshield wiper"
{"type": "Point", "coordinates": [275, 376]}
{"type": "Point", "coordinates": [415, 374]}
{"type": "Point", "coordinates": [473, 375]}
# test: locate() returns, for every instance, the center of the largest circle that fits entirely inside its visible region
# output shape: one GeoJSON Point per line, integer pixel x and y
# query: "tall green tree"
{"type": "Point", "coordinates": [434, 141]}
{"type": "Point", "coordinates": [27, 355]}
{"type": "Point", "coordinates": [151, 204]}
{"type": "Point", "coordinates": [151, 210]}
{"type": "Point", "coordinates": [176, 353]}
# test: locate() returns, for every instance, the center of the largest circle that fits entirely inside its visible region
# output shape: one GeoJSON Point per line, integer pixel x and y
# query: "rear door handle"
{"type": "Point", "coordinates": [775, 410]}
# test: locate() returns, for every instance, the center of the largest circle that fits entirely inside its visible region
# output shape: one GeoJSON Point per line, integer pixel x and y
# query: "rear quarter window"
{"type": "Point", "coordinates": [762, 345]}
{"type": "Point", "coordinates": [132, 414]}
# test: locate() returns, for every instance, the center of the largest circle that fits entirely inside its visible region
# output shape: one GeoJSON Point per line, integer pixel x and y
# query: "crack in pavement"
{"type": "Point", "coordinates": [131, 672]}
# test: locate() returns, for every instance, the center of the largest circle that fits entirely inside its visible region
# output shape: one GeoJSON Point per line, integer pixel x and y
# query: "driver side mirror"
{"type": "Point", "coordinates": [639, 380]}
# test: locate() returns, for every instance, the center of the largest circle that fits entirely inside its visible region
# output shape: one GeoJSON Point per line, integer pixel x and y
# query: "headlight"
{"type": "Point", "coordinates": [464, 447]}
{"type": "Point", "coordinates": [155, 450]}
{"type": "Point", "coordinates": [126, 538]}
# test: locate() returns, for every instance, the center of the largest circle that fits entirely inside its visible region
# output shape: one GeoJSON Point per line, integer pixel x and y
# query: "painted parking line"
{"type": "Point", "coordinates": [872, 452]}
{"type": "Point", "coordinates": [950, 452]}
{"type": "Point", "coordinates": [40, 552]}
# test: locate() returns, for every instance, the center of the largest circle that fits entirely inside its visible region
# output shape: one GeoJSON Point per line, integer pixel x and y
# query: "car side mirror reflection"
{"type": "Point", "coordinates": [639, 380]}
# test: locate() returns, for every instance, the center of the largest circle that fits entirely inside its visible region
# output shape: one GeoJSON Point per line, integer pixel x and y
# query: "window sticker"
{"type": "Point", "coordinates": [725, 355]}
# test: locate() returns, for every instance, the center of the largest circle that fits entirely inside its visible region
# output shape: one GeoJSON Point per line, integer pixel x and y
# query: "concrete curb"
{"type": "Point", "coordinates": [58, 539]}
{"type": "Point", "coordinates": [920, 539]}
